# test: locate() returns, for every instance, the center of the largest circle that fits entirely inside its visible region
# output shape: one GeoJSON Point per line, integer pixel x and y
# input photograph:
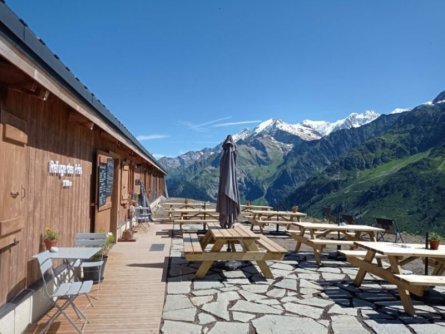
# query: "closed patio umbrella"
{"type": "Point", "coordinates": [228, 203]}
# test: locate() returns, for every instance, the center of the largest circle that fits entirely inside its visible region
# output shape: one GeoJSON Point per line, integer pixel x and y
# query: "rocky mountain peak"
{"type": "Point", "coordinates": [440, 98]}
{"type": "Point", "coordinates": [284, 134]}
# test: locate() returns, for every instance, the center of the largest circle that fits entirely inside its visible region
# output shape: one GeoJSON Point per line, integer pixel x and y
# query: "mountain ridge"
{"type": "Point", "coordinates": [279, 168]}
{"type": "Point", "coordinates": [306, 130]}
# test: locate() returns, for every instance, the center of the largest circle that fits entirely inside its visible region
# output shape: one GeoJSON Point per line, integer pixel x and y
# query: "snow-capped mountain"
{"type": "Point", "coordinates": [308, 129]}
{"type": "Point", "coordinates": [283, 135]}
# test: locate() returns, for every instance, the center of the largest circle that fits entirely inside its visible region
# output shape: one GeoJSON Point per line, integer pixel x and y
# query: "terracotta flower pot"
{"type": "Point", "coordinates": [50, 243]}
{"type": "Point", "coordinates": [434, 244]}
{"type": "Point", "coordinates": [127, 235]}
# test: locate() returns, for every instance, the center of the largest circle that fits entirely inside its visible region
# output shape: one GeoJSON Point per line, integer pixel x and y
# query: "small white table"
{"type": "Point", "coordinates": [70, 255]}
{"type": "Point", "coordinates": [75, 253]}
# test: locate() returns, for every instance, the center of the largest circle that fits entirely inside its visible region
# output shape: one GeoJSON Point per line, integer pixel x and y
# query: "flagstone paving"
{"type": "Point", "coordinates": [302, 298]}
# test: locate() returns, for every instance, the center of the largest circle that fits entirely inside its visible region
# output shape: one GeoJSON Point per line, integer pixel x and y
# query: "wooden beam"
{"type": "Point", "coordinates": [79, 119]}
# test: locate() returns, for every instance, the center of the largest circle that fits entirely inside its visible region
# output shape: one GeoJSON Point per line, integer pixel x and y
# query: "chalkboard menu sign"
{"type": "Point", "coordinates": [110, 175]}
{"type": "Point", "coordinates": [103, 180]}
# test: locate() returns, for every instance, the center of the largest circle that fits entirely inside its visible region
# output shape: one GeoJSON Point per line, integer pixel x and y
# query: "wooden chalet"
{"type": "Point", "coordinates": [65, 160]}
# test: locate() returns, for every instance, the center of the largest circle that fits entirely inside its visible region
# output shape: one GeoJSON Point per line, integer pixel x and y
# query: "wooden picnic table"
{"type": "Point", "coordinates": [186, 213]}
{"type": "Point", "coordinates": [249, 207]}
{"type": "Point", "coordinates": [188, 205]}
{"type": "Point", "coordinates": [204, 223]}
{"type": "Point", "coordinates": [255, 247]}
{"type": "Point", "coordinates": [399, 255]}
{"type": "Point", "coordinates": [314, 235]}
{"type": "Point", "coordinates": [262, 217]}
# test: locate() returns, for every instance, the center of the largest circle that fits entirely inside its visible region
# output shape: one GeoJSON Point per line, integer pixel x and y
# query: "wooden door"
{"type": "Point", "coordinates": [13, 140]}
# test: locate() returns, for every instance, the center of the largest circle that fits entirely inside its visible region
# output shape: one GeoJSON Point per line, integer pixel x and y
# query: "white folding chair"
{"type": "Point", "coordinates": [57, 290]}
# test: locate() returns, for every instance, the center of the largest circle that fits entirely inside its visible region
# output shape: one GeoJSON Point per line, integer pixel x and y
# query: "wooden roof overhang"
{"type": "Point", "coordinates": [41, 72]}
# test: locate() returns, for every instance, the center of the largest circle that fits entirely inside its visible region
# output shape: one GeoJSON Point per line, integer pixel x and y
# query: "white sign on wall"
{"type": "Point", "coordinates": [55, 168]}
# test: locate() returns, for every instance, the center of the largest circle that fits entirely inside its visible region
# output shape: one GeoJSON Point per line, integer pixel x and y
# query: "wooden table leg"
{"type": "Point", "coordinates": [405, 297]}
{"type": "Point", "coordinates": [207, 239]}
{"type": "Point", "coordinates": [362, 271]}
{"type": "Point", "coordinates": [317, 253]}
{"type": "Point", "coordinates": [250, 245]}
{"type": "Point", "coordinates": [373, 237]}
{"type": "Point", "coordinates": [297, 247]}
{"type": "Point", "coordinates": [439, 268]}
{"type": "Point", "coordinates": [205, 265]}
{"type": "Point", "coordinates": [265, 269]}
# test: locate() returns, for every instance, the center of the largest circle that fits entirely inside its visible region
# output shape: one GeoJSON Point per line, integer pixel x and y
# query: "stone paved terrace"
{"type": "Point", "coordinates": [303, 298]}
{"type": "Point", "coordinates": [147, 291]}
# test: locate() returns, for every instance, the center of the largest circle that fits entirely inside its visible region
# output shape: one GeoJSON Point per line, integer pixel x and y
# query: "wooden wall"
{"type": "Point", "coordinates": [53, 134]}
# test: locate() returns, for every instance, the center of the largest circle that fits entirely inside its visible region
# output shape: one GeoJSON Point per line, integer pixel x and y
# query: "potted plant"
{"type": "Point", "coordinates": [434, 239]}
{"type": "Point", "coordinates": [50, 238]}
{"type": "Point", "coordinates": [96, 272]}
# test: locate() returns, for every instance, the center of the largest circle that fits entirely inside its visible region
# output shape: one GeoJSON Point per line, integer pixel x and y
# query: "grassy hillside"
{"type": "Point", "coordinates": [410, 190]}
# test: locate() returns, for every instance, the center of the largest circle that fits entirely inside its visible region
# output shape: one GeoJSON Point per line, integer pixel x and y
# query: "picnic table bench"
{"type": "Point", "coordinates": [314, 235]}
{"type": "Point", "coordinates": [398, 255]}
{"type": "Point", "coordinates": [263, 217]}
{"type": "Point", "coordinates": [422, 280]}
{"type": "Point", "coordinates": [255, 247]}
{"type": "Point", "coordinates": [262, 223]}
{"type": "Point", "coordinates": [248, 207]}
{"type": "Point", "coordinates": [193, 214]}
{"type": "Point", "coordinates": [359, 253]}
{"type": "Point", "coordinates": [204, 223]}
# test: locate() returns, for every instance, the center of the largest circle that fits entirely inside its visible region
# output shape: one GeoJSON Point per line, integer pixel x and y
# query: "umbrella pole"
{"type": "Point", "coordinates": [426, 259]}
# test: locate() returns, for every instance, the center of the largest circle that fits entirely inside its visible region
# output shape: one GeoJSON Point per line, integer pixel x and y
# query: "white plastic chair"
{"type": "Point", "coordinates": [57, 290]}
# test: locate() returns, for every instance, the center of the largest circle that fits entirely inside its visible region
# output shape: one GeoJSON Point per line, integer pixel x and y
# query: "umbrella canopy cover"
{"type": "Point", "coordinates": [228, 203]}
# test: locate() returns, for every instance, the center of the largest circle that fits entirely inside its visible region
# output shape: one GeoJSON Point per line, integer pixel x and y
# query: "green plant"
{"type": "Point", "coordinates": [109, 243]}
{"type": "Point", "coordinates": [50, 233]}
{"type": "Point", "coordinates": [435, 236]}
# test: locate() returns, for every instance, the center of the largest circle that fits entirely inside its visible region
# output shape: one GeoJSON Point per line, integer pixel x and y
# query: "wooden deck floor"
{"type": "Point", "coordinates": [131, 297]}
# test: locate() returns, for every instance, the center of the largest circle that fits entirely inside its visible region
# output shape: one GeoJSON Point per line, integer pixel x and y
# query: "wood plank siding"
{"type": "Point", "coordinates": [36, 128]}
{"type": "Point", "coordinates": [52, 136]}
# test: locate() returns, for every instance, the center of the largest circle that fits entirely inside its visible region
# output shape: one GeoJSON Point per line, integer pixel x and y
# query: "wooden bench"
{"type": "Point", "coordinates": [274, 250]}
{"type": "Point", "coordinates": [192, 246]}
{"type": "Point", "coordinates": [359, 253]}
{"type": "Point", "coordinates": [255, 248]}
{"type": "Point", "coordinates": [262, 223]}
{"type": "Point", "coordinates": [205, 222]}
{"type": "Point", "coordinates": [306, 239]}
{"type": "Point", "coordinates": [422, 280]}
{"type": "Point", "coordinates": [193, 251]}
{"type": "Point", "coordinates": [326, 242]}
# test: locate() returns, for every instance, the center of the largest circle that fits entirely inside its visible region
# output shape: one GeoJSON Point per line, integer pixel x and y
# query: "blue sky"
{"type": "Point", "coordinates": [181, 75]}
